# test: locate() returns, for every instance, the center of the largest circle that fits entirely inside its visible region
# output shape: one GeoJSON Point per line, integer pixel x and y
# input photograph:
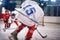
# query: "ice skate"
{"type": "Point", "coordinates": [13, 36]}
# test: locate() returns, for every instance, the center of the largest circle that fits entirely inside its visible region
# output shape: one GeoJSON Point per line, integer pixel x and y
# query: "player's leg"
{"type": "Point", "coordinates": [16, 23]}
{"type": "Point", "coordinates": [30, 32]}
{"type": "Point", "coordinates": [14, 34]}
{"type": "Point", "coordinates": [5, 24]}
{"type": "Point", "coordinates": [9, 24]}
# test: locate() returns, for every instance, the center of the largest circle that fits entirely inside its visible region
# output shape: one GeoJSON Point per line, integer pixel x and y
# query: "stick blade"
{"type": "Point", "coordinates": [44, 36]}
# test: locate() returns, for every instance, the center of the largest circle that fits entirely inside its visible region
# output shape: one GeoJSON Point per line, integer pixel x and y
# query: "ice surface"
{"type": "Point", "coordinates": [52, 30]}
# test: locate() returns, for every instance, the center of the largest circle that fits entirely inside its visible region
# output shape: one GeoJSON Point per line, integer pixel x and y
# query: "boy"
{"type": "Point", "coordinates": [32, 11]}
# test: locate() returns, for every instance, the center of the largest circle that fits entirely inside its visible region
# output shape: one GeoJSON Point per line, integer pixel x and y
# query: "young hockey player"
{"type": "Point", "coordinates": [12, 19]}
{"type": "Point", "coordinates": [30, 10]}
{"type": "Point", "coordinates": [5, 18]}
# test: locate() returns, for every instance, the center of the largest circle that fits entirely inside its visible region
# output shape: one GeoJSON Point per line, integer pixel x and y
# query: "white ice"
{"type": "Point", "coordinates": [52, 31]}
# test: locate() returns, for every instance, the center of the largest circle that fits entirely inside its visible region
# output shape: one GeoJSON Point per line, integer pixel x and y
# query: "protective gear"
{"type": "Point", "coordinates": [30, 32]}
{"type": "Point", "coordinates": [14, 35]}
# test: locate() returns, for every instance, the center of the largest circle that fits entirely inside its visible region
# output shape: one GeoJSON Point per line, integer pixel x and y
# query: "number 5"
{"type": "Point", "coordinates": [30, 11]}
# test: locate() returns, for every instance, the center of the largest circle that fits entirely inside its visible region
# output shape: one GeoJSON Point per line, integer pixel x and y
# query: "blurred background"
{"type": "Point", "coordinates": [50, 7]}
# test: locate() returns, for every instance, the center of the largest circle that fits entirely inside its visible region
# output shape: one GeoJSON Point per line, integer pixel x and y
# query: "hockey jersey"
{"type": "Point", "coordinates": [32, 10]}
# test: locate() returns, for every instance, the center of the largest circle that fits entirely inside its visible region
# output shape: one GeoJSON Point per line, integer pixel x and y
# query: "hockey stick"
{"type": "Point", "coordinates": [41, 34]}
{"type": "Point", "coordinates": [35, 22]}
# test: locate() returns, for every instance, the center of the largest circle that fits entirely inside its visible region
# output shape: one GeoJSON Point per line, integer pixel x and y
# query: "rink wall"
{"type": "Point", "coordinates": [47, 19]}
{"type": "Point", "coordinates": [51, 19]}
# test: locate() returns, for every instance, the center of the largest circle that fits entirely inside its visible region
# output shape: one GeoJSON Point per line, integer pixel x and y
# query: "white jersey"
{"type": "Point", "coordinates": [32, 10]}
{"type": "Point", "coordinates": [11, 20]}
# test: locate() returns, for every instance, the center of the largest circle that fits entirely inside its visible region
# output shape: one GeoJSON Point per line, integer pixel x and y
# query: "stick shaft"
{"type": "Point", "coordinates": [28, 17]}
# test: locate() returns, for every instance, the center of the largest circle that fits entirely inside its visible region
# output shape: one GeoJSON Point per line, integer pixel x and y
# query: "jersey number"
{"type": "Point", "coordinates": [29, 9]}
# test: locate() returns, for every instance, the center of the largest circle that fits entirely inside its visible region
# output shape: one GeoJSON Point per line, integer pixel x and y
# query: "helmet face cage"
{"type": "Point", "coordinates": [13, 16]}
